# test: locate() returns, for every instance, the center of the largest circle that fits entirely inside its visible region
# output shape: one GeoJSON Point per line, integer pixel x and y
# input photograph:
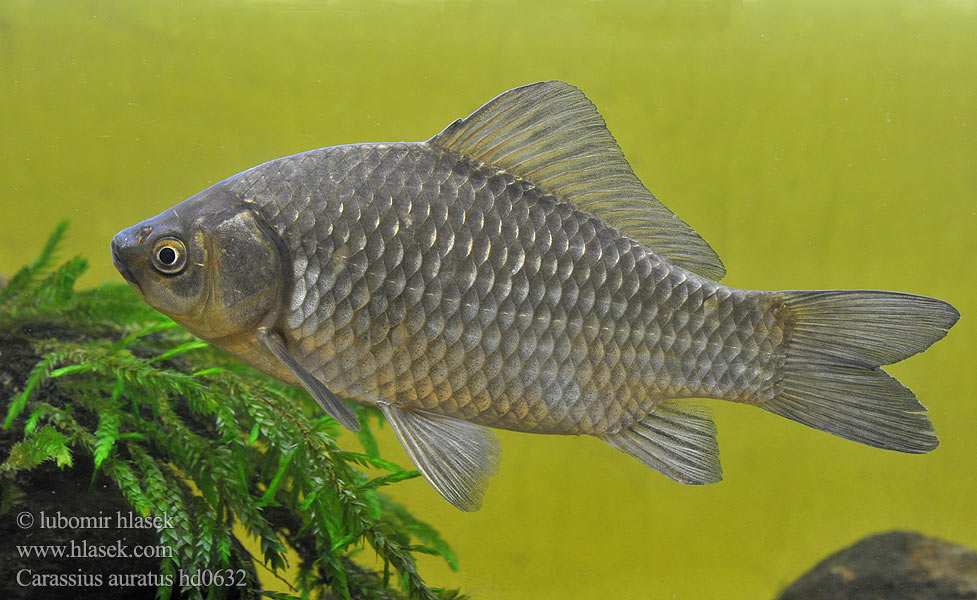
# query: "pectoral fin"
{"type": "Point", "coordinates": [331, 403]}
{"type": "Point", "coordinates": [457, 457]}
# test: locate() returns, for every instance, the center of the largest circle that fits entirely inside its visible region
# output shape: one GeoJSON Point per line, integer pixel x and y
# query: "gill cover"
{"type": "Point", "coordinates": [245, 273]}
{"type": "Point", "coordinates": [247, 283]}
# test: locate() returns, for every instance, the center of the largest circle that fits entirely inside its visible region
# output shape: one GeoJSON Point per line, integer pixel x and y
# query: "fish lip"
{"type": "Point", "coordinates": [120, 264]}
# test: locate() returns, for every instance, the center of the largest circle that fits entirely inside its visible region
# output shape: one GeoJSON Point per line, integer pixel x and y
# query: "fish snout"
{"type": "Point", "coordinates": [122, 244]}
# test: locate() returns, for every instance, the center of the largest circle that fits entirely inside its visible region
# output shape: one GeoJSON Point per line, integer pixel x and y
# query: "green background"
{"type": "Point", "coordinates": [825, 144]}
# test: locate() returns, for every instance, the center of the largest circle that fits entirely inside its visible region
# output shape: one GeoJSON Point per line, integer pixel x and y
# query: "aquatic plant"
{"type": "Point", "coordinates": [183, 429]}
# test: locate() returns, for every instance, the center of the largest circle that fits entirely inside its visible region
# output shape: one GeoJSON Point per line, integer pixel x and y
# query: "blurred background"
{"type": "Point", "coordinates": [828, 144]}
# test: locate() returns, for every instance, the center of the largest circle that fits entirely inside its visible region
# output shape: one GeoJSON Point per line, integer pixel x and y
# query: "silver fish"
{"type": "Point", "coordinates": [513, 272]}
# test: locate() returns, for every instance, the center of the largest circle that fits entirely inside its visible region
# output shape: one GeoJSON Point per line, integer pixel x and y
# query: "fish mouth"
{"type": "Point", "coordinates": [120, 264]}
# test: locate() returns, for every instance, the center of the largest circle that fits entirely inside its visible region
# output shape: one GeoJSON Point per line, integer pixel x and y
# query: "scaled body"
{"type": "Point", "coordinates": [426, 281]}
{"type": "Point", "coordinates": [512, 272]}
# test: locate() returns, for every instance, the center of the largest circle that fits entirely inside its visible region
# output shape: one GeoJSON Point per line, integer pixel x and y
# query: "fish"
{"type": "Point", "coordinates": [512, 272]}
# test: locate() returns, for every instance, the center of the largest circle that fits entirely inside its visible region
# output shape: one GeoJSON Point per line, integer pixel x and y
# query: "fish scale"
{"type": "Point", "coordinates": [594, 331]}
{"type": "Point", "coordinates": [513, 272]}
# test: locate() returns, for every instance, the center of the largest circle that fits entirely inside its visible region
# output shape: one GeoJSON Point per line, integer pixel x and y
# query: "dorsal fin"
{"type": "Point", "coordinates": [551, 135]}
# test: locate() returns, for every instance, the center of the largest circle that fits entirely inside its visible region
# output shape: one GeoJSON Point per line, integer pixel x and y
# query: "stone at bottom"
{"type": "Point", "coordinates": [898, 565]}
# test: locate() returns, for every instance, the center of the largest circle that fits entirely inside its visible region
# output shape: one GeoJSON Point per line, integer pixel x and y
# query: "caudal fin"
{"type": "Point", "coordinates": [832, 380]}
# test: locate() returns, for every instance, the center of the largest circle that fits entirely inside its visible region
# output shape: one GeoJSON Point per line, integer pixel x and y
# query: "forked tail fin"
{"type": "Point", "coordinates": [832, 378]}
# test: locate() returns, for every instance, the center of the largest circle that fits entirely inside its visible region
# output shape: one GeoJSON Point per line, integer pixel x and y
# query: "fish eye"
{"type": "Point", "coordinates": [169, 256]}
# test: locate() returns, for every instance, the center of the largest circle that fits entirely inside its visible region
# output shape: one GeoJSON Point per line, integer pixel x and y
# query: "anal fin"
{"type": "Point", "coordinates": [455, 456]}
{"type": "Point", "coordinates": [678, 441]}
{"type": "Point", "coordinates": [329, 401]}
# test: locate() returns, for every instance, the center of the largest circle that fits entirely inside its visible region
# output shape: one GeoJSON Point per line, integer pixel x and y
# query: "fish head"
{"type": "Point", "coordinates": [210, 263]}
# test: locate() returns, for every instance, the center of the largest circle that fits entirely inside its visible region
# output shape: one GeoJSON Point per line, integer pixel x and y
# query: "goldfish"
{"type": "Point", "coordinates": [513, 272]}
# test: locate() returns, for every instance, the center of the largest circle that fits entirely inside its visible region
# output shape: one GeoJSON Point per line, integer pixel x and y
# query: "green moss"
{"type": "Point", "coordinates": [183, 429]}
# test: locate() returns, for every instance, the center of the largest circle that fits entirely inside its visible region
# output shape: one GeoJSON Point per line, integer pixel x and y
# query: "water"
{"type": "Point", "coordinates": [814, 145]}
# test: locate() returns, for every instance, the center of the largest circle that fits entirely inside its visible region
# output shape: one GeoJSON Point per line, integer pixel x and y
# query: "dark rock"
{"type": "Point", "coordinates": [48, 491]}
{"type": "Point", "coordinates": [52, 492]}
{"type": "Point", "coordinates": [897, 565]}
